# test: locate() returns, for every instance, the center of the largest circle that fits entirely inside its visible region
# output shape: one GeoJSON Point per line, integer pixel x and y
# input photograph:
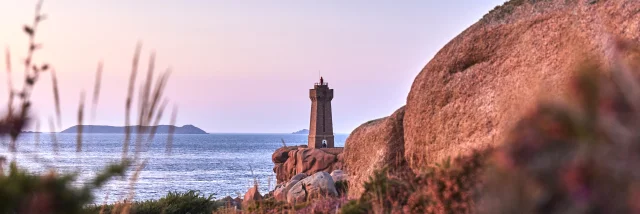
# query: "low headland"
{"type": "Point", "coordinates": [303, 131]}
{"type": "Point", "coordinates": [160, 129]}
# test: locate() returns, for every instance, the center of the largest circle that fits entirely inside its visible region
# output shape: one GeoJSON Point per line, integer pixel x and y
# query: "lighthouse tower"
{"type": "Point", "coordinates": [321, 128]}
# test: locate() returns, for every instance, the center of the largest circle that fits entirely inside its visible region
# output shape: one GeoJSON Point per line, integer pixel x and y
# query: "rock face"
{"type": "Point", "coordinates": [317, 185]}
{"type": "Point", "coordinates": [293, 160]}
{"type": "Point", "coordinates": [483, 80]}
{"type": "Point", "coordinates": [232, 202]}
{"type": "Point", "coordinates": [252, 195]}
{"type": "Point", "coordinates": [372, 146]}
{"type": "Point", "coordinates": [489, 75]}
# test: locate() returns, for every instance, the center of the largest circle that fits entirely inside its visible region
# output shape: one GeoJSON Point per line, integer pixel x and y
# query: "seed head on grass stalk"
{"type": "Point", "coordinates": [96, 91]}
{"type": "Point", "coordinates": [56, 96]}
{"type": "Point", "coordinates": [146, 88]}
{"type": "Point", "coordinates": [149, 114]}
{"type": "Point", "coordinates": [9, 81]}
{"type": "Point", "coordinates": [172, 129]}
{"type": "Point", "coordinates": [132, 80]}
{"type": "Point", "coordinates": [80, 126]}
{"type": "Point", "coordinates": [52, 134]}
{"type": "Point", "coordinates": [37, 134]}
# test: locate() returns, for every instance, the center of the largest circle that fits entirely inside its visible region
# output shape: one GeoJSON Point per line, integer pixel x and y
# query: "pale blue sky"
{"type": "Point", "coordinates": [241, 66]}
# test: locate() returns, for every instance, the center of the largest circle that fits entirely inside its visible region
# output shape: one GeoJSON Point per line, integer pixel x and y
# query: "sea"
{"type": "Point", "coordinates": [219, 164]}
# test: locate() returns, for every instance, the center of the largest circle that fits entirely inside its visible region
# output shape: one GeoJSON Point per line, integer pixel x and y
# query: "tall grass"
{"type": "Point", "coordinates": [25, 192]}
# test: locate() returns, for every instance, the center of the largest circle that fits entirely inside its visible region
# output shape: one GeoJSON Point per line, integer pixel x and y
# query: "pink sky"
{"type": "Point", "coordinates": [238, 66]}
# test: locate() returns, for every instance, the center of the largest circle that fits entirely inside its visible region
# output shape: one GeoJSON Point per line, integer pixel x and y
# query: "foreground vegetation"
{"type": "Point", "coordinates": [174, 202]}
{"type": "Point", "coordinates": [25, 192]}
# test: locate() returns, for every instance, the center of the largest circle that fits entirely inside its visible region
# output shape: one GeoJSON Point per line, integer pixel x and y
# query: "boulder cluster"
{"type": "Point", "coordinates": [301, 188]}
{"type": "Point", "coordinates": [304, 173]}
{"type": "Point", "coordinates": [292, 160]}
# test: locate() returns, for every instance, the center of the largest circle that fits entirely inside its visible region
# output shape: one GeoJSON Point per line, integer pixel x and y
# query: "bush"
{"type": "Point", "coordinates": [267, 205]}
{"type": "Point", "coordinates": [174, 202]}
{"type": "Point", "coordinates": [23, 192]}
{"type": "Point", "coordinates": [342, 187]}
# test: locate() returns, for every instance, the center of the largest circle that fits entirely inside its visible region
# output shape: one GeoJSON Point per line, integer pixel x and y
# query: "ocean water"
{"type": "Point", "coordinates": [220, 164]}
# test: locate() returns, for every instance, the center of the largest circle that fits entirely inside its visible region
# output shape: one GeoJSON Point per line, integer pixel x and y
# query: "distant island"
{"type": "Point", "coordinates": [30, 132]}
{"type": "Point", "coordinates": [304, 131]}
{"type": "Point", "coordinates": [161, 129]}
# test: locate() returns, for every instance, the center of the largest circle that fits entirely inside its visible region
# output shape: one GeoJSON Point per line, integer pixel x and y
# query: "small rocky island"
{"type": "Point", "coordinates": [303, 131]}
{"type": "Point", "coordinates": [161, 129]}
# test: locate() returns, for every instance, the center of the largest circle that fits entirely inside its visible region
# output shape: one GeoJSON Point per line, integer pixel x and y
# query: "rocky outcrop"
{"type": "Point", "coordinates": [317, 185]}
{"type": "Point", "coordinates": [282, 154]}
{"type": "Point", "coordinates": [232, 202]}
{"type": "Point", "coordinates": [293, 160]}
{"type": "Point", "coordinates": [252, 195]}
{"type": "Point", "coordinates": [373, 146]}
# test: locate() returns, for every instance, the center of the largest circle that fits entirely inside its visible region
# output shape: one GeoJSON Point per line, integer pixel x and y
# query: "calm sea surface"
{"type": "Point", "coordinates": [215, 163]}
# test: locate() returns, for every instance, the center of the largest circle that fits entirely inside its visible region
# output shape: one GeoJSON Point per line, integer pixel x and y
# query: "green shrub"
{"type": "Point", "coordinates": [23, 192]}
{"type": "Point", "coordinates": [174, 202]}
{"type": "Point", "coordinates": [356, 207]}
{"type": "Point", "coordinates": [266, 205]}
{"type": "Point", "coordinates": [342, 187]}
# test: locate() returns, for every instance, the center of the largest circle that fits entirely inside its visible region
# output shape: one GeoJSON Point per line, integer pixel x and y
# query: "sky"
{"type": "Point", "coordinates": [237, 66]}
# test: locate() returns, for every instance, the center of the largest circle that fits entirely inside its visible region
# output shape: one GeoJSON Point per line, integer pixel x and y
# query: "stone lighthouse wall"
{"type": "Point", "coordinates": [321, 127]}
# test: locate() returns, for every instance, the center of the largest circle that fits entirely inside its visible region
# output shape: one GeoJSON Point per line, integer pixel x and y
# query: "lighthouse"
{"type": "Point", "coordinates": [321, 127]}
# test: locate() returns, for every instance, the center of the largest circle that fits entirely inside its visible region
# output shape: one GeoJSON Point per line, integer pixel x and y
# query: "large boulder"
{"type": "Point", "coordinates": [317, 185]}
{"type": "Point", "coordinates": [305, 160]}
{"type": "Point", "coordinates": [483, 80]}
{"type": "Point", "coordinates": [373, 146]}
{"type": "Point", "coordinates": [299, 176]}
{"type": "Point", "coordinates": [280, 193]}
{"type": "Point", "coordinates": [338, 175]}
